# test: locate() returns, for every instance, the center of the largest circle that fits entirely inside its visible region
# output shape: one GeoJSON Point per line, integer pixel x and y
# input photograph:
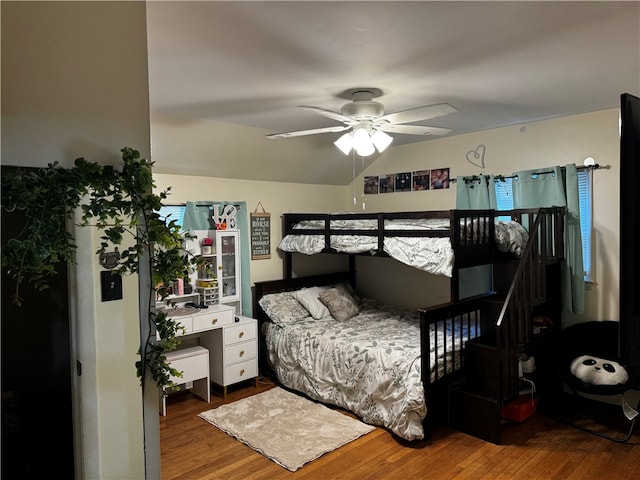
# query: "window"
{"type": "Point", "coordinates": [173, 212]}
{"type": "Point", "coordinates": [504, 195]}
{"type": "Point", "coordinates": [584, 198]}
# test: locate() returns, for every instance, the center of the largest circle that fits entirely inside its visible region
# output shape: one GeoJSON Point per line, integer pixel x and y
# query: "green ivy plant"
{"type": "Point", "coordinates": [118, 201]}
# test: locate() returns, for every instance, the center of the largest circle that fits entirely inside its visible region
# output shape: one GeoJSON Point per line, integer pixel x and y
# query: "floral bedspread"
{"type": "Point", "coordinates": [369, 364]}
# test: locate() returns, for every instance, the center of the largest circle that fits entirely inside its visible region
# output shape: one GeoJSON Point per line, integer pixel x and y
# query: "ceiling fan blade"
{"type": "Point", "coordinates": [340, 128]}
{"type": "Point", "coordinates": [414, 129]}
{"type": "Point", "coordinates": [419, 113]}
{"type": "Point", "coordinates": [328, 113]}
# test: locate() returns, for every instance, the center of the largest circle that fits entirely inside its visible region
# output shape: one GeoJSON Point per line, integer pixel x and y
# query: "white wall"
{"type": "Point", "coordinates": [74, 83]}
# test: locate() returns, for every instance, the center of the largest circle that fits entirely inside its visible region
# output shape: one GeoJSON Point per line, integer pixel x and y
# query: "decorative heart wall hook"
{"type": "Point", "coordinates": [476, 157]}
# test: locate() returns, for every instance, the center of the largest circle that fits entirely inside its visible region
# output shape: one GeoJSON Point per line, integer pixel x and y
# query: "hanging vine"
{"type": "Point", "coordinates": [121, 204]}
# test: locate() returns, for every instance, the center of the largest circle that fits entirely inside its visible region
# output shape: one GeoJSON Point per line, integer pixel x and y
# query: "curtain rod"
{"type": "Point", "coordinates": [183, 204]}
{"type": "Point", "coordinates": [595, 166]}
{"type": "Point", "coordinates": [237, 205]}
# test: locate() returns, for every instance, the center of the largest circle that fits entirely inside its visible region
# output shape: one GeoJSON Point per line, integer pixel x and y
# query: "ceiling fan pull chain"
{"type": "Point", "coordinates": [353, 163]}
{"type": "Point", "coordinates": [364, 207]}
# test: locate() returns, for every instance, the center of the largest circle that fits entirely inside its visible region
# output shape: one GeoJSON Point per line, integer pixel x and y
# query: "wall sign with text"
{"type": "Point", "coordinates": [260, 235]}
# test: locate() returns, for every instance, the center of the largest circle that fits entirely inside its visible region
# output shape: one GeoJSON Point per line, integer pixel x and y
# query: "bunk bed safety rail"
{"type": "Point", "coordinates": [464, 320]}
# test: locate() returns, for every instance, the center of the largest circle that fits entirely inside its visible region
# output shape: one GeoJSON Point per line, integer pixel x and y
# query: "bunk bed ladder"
{"type": "Point", "coordinates": [525, 286]}
{"type": "Point", "coordinates": [535, 284]}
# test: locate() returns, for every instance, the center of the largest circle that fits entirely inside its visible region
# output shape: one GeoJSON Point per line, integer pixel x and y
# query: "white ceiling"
{"type": "Point", "coordinates": [253, 64]}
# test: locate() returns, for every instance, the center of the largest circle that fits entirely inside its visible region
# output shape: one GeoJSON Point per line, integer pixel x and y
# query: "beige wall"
{"type": "Point", "coordinates": [276, 198]}
{"type": "Point", "coordinates": [546, 143]}
{"type": "Point", "coordinates": [74, 83]}
{"type": "Point", "coordinates": [552, 142]}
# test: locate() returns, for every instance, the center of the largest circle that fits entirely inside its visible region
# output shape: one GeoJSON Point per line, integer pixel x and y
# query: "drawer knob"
{"type": "Point", "coordinates": [241, 334]}
{"type": "Point", "coordinates": [242, 372]}
{"type": "Point", "coordinates": [214, 321]}
{"type": "Point", "coordinates": [241, 353]}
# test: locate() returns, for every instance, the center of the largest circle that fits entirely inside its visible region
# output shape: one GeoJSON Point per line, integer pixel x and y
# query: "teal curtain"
{"type": "Point", "coordinates": [476, 192]}
{"type": "Point", "coordinates": [559, 188]}
{"type": "Point", "coordinates": [198, 216]}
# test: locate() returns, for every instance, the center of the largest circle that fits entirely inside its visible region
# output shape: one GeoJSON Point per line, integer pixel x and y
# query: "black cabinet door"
{"type": "Point", "coordinates": [37, 429]}
{"type": "Point", "coordinates": [629, 230]}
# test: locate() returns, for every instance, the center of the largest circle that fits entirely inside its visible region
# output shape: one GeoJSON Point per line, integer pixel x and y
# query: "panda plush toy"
{"type": "Point", "coordinates": [598, 371]}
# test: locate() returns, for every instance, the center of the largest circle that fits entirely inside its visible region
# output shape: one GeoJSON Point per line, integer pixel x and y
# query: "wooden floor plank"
{"type": "Point", "coordinates": [539, 448]}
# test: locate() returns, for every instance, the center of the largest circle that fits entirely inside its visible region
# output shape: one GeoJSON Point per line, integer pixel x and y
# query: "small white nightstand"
{"type": "Point", "coordinates": [233, 351]}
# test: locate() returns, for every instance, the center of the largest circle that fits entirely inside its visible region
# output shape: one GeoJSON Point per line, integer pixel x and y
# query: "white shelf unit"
{"type": "Point", "coordinates": [218, 280]}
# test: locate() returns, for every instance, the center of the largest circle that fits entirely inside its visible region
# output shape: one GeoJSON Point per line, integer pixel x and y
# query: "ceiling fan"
{"type": "Point", "coordinates": [369, 124]}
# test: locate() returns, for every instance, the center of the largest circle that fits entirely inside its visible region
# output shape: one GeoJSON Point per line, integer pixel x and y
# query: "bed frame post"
{"type": "Point", "coordinates": [288, 265]}
{"type": "Point", "coordinates": [352, 271]}
{"type": "Point", "coordinates": [454, 222]}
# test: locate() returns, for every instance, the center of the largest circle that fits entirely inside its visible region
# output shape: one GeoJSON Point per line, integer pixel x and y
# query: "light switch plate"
{"type": "Point", "coordinates": [110, 285]}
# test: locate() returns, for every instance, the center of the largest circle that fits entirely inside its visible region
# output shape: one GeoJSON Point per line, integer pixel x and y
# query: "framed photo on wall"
{"type": "Point", "coordinates": [371, 185]}
{"type": "Point", "coordinates": [403, 182]}
{"type": "Point", "coordinates": [387, 183]}
{"type": "Point", "coordinates": [439, 178]}
{"type": "Point", "coordinates": [420, 180]}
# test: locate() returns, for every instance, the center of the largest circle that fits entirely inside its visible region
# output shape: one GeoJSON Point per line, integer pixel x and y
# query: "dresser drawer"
{"type": "Point", "coordinates": [185, 322]}
{"type": "Point", "coordinates": [240, 371]}
{"type": "Point", "coordinates": [212, 319]}
{"type": "Point", "coordinates": [233, 352]}
{"type": "Point", "coordinates": [240, 333]}
{"type": "Point", "coordinates": [239, 352]}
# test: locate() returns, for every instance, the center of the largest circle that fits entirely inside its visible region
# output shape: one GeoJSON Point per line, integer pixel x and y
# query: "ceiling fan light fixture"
{"type": "Point", "coordinates": [381, 140]}
{"type": "Point", "coordinates": [362, 142]}
{"type": "Point", "coordinates": [366, 149]}
{"type": "Point", "coordinates": [360, 137]}
{"type": "Point", "coordinates": [367, 122]}
{"type": "Point", "coordinates": [345, 143]}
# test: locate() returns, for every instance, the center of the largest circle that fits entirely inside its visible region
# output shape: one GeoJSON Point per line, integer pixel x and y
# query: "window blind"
{"type": "Point", "coordinates": [172, 212]}
{"type": "Point", "coordinates": [504, 195]}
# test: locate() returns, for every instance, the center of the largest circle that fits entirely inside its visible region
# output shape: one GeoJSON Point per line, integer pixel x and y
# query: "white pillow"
{"type": "Point", "coordinates": [309, 299]}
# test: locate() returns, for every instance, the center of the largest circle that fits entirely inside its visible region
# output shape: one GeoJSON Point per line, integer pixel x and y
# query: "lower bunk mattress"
{"type": "Point", "coordinates": [369, 364]}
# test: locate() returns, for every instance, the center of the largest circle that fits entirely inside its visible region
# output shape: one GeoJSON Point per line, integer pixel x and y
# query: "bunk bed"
{"type": "Point", "coordinates": [438, 242]}
{"type": "Point", "coordinates": [373, 362]}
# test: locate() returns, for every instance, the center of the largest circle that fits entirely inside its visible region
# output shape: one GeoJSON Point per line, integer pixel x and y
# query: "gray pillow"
{"type": "Point", "coordinates": [340, 303]}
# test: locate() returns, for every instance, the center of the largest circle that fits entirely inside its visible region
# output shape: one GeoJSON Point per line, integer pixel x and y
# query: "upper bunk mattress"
{"type": "Point", "coordinates": [432, 254]}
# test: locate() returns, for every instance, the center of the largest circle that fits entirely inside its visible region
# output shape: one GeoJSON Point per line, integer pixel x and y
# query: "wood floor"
{"type": "Point", "coordinates": [539, 448]}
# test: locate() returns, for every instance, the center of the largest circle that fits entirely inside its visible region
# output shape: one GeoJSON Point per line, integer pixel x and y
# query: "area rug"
{"type": "Point", "coordinates": [286, 428]}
